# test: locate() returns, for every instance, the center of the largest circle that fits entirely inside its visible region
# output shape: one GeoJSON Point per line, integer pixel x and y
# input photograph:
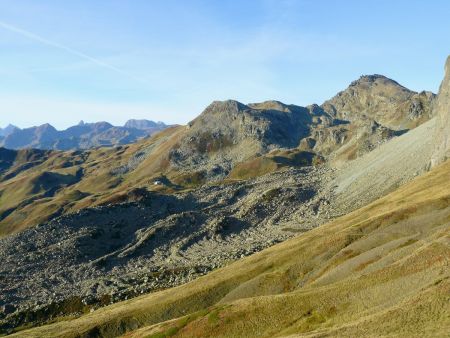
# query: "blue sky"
{"type": "Point", "coordinates": [63, 61]}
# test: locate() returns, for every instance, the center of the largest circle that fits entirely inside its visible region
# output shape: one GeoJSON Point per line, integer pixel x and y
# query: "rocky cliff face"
{"type": "Point", "coordinates": [442, 111]}
{"type": "Point", "coordinates": [368, 113]}
{"type": "Point", "coordinates": [229, 132]}
{"type": "Point", "coordinates": [383, 100]}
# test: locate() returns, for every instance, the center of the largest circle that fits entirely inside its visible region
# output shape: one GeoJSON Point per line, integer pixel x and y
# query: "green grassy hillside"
{"type": "Point", "coordinates": [382, 270]}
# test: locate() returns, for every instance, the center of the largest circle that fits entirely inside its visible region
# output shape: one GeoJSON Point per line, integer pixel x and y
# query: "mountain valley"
{"type": "Point", "coordinates": [150, 238]}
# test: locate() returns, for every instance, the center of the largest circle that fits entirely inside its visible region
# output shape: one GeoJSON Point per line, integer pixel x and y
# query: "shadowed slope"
{"type": "Point", "coordinates": [381, 270]}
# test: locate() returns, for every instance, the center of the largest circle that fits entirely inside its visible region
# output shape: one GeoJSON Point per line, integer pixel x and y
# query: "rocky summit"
{"type": "Point", "coordinates": [383, 100]}
{"type": "Point", "coordinates": [95, 241]}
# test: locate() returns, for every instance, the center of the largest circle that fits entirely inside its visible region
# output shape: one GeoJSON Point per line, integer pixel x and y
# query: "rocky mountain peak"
{"type": "Point", "coordinates": [7, 130]}
{"type": "Point", "coordinates": [382, 99]}
{"type": "Point", "coordinates": [46, 126]}
{"type": "Point", "coordinates": [10, 127]}
{"type": "Point", "coordinates": [45, 130]}
{"type": "Point", "coordinates": [101, 126]}
{"type": "Point", "coordinates": [227, 106]}
{"type": "Point", "coordinates": [143, 124]}
{"type": "Point", "coordinates": [375, 79]}
{"type": "Point", "coordinates": [270, 105]}
{"type": "Point", "coordinates": [218, 114]}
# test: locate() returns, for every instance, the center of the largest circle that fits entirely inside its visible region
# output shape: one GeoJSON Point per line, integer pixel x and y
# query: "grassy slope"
{"type": "Point", "coordinates": [66, 181]}
{"type": "Point", "coordinates": [382, 270]}
{"type": "Point", "coordinates": [273, 161]}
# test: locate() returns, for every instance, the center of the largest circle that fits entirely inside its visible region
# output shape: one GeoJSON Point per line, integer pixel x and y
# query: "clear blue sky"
{"type": "Point", "coordinates": [63, 61]}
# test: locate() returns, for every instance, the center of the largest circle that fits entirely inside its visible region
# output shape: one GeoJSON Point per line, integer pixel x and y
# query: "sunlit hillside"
{"type": "Point", "coordinates": [381, 270]}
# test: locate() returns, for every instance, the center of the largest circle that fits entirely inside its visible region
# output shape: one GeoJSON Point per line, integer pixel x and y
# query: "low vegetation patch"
{"type": "Point", "coordinates": [273, 161]}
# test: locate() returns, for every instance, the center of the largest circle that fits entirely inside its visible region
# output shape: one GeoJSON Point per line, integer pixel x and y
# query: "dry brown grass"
{"type": "Point", "coordinates": [382, 270]}
{"type": "Point", "coordinates": [273, 161]}
{"type": "Point", "coordinates": [29, 197]}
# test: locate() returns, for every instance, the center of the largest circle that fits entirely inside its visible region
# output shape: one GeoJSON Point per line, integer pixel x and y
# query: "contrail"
{"type": "Point", "coordinates": [69, 50]}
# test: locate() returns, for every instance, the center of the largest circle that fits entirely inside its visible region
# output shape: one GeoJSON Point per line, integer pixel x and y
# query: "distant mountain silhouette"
{"type": "Point", "coordinates": [144, 124]}
{"type": "Point", "coordinates": [8, 130]}
{"type": "Point", "coordinates": [81, 136]}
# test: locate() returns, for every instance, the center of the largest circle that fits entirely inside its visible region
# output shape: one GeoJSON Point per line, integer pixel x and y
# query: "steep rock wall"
{"type": "Point", "coordinates": [442, 111]}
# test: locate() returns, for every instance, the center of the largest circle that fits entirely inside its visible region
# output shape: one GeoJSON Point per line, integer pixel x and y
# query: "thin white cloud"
{"type": "Point", "coordinates": [67, 49]}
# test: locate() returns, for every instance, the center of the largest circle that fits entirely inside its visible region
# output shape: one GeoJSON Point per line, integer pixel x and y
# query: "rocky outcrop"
{"type": "Point", "coordinates": [383, 100]}
{"type": "Point", "coordinates": [229, 132]}
{"type": "Point", "coordinates": [373, 110]}
{"type": "Point", "coordinates": [442, 111]}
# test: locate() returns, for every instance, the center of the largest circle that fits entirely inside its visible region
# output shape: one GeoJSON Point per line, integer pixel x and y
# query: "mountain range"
{"type": "Point", "coordinates": [7, 130]}
{"type": "Point", "coordinates": [227, 141]}
{"type": "Point", "coordinates": [81, 136]}
{"type": "Point", "coordinates": [343, 210]}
